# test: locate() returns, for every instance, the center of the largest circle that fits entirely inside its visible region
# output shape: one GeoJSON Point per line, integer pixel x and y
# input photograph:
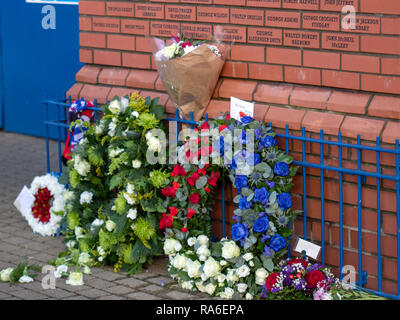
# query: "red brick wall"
{"type": "Point", "coordinates": [299, 73]}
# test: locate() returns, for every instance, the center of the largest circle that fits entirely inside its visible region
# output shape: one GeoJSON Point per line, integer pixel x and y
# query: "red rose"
{"type": "Point", "coordinates": [173, 211]}
{"type": "Point", "coordinates": [314, 277]}
{"type": "Point", "coordinates": [191, 213]}
{"type": "Point", "coordinates": [202, 171]}
{"type": "Point", "coordinates": [184, 230]}
{"type": "Point", "coordinates": [205, 126]}
{"type": "Point", "coordinates": [222, 128]}
{"type": "Point", "coordinates": [214, 176]}
{"type": "Point", "coordinates": [271, 280]}
{"type": "Point", "coordinates": [178, 171]}
{"type": "Point", "coordinates": [228, 116]}
{"type": "Point", "coordinates": [169, 192]}
{"type": "Point", "coordinates": [176, 185]}
{"type": "Point", "coordinates": [165, 221]}
{"type": "Point", "coordinates": [304, 263]}
{"type": "Point", "coordinates": [207, 189]}
{"type": "Point", "coordinates": [193, 178]}
{"type": "Point", "coordinates": [194, 198]}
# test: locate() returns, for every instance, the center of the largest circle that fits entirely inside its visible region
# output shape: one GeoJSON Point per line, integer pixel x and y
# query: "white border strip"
{"type": "Point", "coordinates": [52, 2]}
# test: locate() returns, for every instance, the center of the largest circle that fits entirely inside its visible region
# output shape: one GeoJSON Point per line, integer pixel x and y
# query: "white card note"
{"type": "Point", "coordinates": [24, 201]}
{"type": "Point", "coordinates": [312, 250]}
{"type": "Point", "coordinates": [238, 106]}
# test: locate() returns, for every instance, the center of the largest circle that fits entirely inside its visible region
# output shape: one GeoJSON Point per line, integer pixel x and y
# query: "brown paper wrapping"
{"type": "Point", "coordinates": [190, 80]}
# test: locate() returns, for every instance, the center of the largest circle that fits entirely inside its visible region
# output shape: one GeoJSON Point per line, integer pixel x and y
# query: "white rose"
{"type": "Point", "coordinates": [5, 274]}
{"type": "Point", "coordinates": [78, 232]}
{"type": "Point", "coordinates": [232, 276]}
{"type": "Point", "coordinates": [60, 269]}
{"type": "Point", "coordinates": [135, 114]}
{"type": "Point", "coordinates": [227, 294]}
{"type": "Point", "coordinates": [110, 225]}
{"type": "Point", "coordinates": [86, 197]}
{"type": "Point", "coordinates": [84, 258]}
{"type": "Point", "coordinates": [154, 144]}
{"type": "Point", "coordinates": [111, 127]}
{"type": "Point", "coordinates": [115, 107]}
{"type": "Point", "coordinates": [178, 246]}
{"type": "Point", "coordinates": [75, 279]}
{"type": "Point", "coordinates": [203, 240]}
{"type": "Point", "coordinates": [149, 135]}
{"type": "Point", "coordinates": [25, 279]}
{"type": "Point", "coordinates": [129, 199]}
{"type": "Point", "coordinates": [179, 261]}
{"type": "Point", "coordinates": [191, 241]}
{"type": "Point", "coordinates": [169, 246]}
{"type": "Point", "coordinates": [70, 244]}
{"type": "Point", "coordinates": [136, 164]}
{"type": "Point", "coordinates": [261, 276]}
{"type": "Point", "coordinates": [99, 129]}
{"type": "Point", "coordinates": [249, 296]}
{"type": "Point", "coordinates": [230, 250]}
{"type": "Point", "coordinates": [101, 251]}
{"type": "Point", "coordinates": [97, 223]}
{"type": "Point", "coordinates": [115, 152]}
{"type": "Point", "coordinates": [130, 188]}
{"type": "Point", "coordinates": [200, 286]}
{"type": "Point", "coordinates": [248, 256]}
{"type": "Point", "coordinates": [86, 270]}
{"type": "Point", "coordinates": [242, 287]}
{"type": "Point", "coordinates": [68, 195]}
{"type": "Point", "coordinates": [170, 51]}
{"type": "Point", "coordinates": [193, 269]}
{"type": "Point", "coordinates": [210, 288]}
{"type": "Point", "coordinates": [203, 251]}
{"type": "Point", "coordinates": [132, 214]}
{"type": "Point", "coordinates": [188, 285]}
{"type": "Point", "coordinates": [211, 268]}
{"type": "Point", "coordinates": [221, 278]}
{"type": "Point", "coordinates": [251, 264]}
{"type": "Point", "coordinates": [223, 263]}
{"type": "Point", "coordinates": [81, 166]}
{"type": "Point", "coordinates": [243, 271]}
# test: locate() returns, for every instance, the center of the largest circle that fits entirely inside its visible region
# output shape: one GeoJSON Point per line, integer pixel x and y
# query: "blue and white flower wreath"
{"type": "Point", "coordinates": [263, 175]}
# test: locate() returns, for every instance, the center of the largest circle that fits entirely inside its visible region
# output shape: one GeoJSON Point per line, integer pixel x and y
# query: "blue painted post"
{"type": "Point", "coordinates": [398, 214]}
{"type": "Point", "coordinates": [223, 209]}
{"type": "Point", "coordinates": [341, 204]}
{"type": "Point", "coordinates": [359, 203]}
{"type": "Point", "coordinates": [321, 151]}
{"type": "Point", "coordinates": [96, 106]}
{"type": "Point", "coordinates": [378, 213]}
{"type": "Point", "coordinates": [59, 139]}
{"type": "Point", "coordinates": [287, 152]}
{"type": "Point", "coordinates": [303, 158]}
{"type": "Point", "coordinates": [177, 125]}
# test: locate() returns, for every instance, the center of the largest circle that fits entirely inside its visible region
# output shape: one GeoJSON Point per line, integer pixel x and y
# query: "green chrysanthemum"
{"type": "Point", "coordinates": [147, 121]}
{"type": "Point", "coordinates": [143, 230]}
{"type": "Point", "coordinates": [120, 203]}
{"type": "Point", "coordinates": [74, 178]}
{"type": "Point", "coordinates": [106, 239]}
{"type": "Point", "coordinates": [72, 220]}
{"type": "Point", "coordinates": [126, 252]}
{"type": "Point", "coordinates": [159, 178]}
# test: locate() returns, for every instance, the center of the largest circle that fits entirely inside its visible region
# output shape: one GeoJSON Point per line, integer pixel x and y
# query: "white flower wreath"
{"type": "Point", "coordinates": [53, 198]}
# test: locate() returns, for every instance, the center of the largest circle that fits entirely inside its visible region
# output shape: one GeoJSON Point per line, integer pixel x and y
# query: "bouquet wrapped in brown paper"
{"type": "Point", "coordinates": [189, 71]}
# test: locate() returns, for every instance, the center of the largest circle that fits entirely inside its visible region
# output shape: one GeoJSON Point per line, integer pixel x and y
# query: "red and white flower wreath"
{"type": "Point", "coordinates": [48, 208]}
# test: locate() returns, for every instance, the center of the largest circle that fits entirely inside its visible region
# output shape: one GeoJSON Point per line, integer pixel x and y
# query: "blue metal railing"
{"type": "Point", "coordinates": [359, 172]}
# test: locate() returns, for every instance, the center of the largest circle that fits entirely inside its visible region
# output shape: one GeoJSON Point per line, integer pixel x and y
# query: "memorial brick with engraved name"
{"type": "Point", "coordinates": [135, 26]}
{"type": "Point", "coordinates": [339, 41]}
{"type": "Point", "coordinates": [106, 24]}
{"type": "Point", "coordinates": [337, 5]}
{"type": "Point", "coordinates": [265, 36]}
{"type": "Point", "coordinates": [247, 17]}
{"type": "Point", "coordinates": [264, 3]}
{"type": "Point", "coordinates": [211, 14]}
{"type": "Point", "coordinates": [294, 38]}
{"type": "Point", "coordinates": [321, 21]}
{"type": "Point", "coordinates": [197, 31]}
{"type": "Point", "coordinates": [164, 28]}
{"type": "Point", "coordinates": [120, 9]}
{"type": "Point", "coordinates": [275, 18]}
{"type": "Point", "coordinates": [301, 4]}
{"type": "Point", "coordinates": [365, 24]}
{"type": "Point", "coordinates": [230, 33]}
{"type": "Point", "coordinates": [180, 13]}
{"type": "Point", "coordinates": [150, 11]}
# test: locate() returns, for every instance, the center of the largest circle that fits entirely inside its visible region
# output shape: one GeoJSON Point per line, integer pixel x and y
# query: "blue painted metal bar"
{"type": "Point", "coordinates": [398, 214]}
{"type": "Point", "coordinates": [59, 140]}
{"type": "Point", "coordinates": [359, 212]}
{"type": "Point", "coordinates": [46, 106]}
{"type": "Point", "coordinates": [223, 209]}
{"type": "Point", "coordinates": [303, 158]}
{"type": "Point", "coordinates": [378, 215]}
{"type": "Point", "coordinates": [287, 152]}
{"type": "Point", "coordinates": [340, 207]}
{"type": "Point", "coordinates": [321, 151]}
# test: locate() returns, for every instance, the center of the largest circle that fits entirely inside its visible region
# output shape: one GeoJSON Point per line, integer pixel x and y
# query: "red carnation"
{"type": "Point", "coordinates": [193, 178]}
{"type": "Point", "coordinates": [304, 263]}
{"type": "Point", "coordinates": [169, 192]}
{"type": "Point", "coordinates": [178, 171]}
{"type": "Point", "coordinates": [271, 280]}
{"type": "Point", "coordinates": [166, 221]}
{"type": "Point", "coordinates": [194, 198]}
{"type": "Point", "coordinates": [214, 178]}
{"type": "Point", "coordinates": [191, 213]}
{"type": "Point", "coordinates": [184, 230]}
{"type": "Point", "coordinates": [205, 126]}
{"type": "Point", "coordinates": [173, 211]}
{"type": "Point", "coordinates": [207, 189]}
{"type": "Point", "coordinates": [228, 116]}
{"type": "Point", "coordinates": [314, 277]}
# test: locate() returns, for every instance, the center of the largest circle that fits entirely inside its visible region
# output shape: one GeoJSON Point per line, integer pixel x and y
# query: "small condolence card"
{"type": "Point", "coordinates": [238, 106]}
{"type": "Point", "coordinates": [312, 250]}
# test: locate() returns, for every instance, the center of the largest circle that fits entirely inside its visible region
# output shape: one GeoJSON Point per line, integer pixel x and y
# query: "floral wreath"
{"type": "Point", "coordinates": [48, 208]}
{"type": "Point", "coordinates": [238, 267]}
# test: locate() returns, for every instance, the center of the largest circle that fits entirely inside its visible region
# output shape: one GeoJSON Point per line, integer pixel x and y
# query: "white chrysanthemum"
{"type": "Point", "coordinates": [230, 250]}
{"type": "Point", "coordinates": [261, 276]}
{"type": "Point", "coordinates": [154, 144]}
{"type": "Point", "coordinates": [81, 166]}
{"type": "Point", "coordinates": [5, 274]}
{"type": "Point", "coordinates": [135, 114]}
{"type": "Point", "coordinates": [170, 51]}
{"type": "Point", "coordinates": [110, 225]}
{"type": "Point", "coordinates": [223, 263]}
{"type": "Point", "coordinates": [68, 195]}
{"type": "Point", "coordinates": [115, 107]}
{"type": "Point", "coordinates": [211, 268]}
{"type": "Point", "coordinates": [86, 197]}
{"type": "Point", "coordinates": [132, 214]}
{"type": "Point", "coordinates": [221, 278]}
{"type": "Point", "coordinates": [79, 232]}
{"type": "Point", "coordinates": [136, 164]}
{"type": "Point", "coordinates": [60, 270]}
{"type": "Point", "coordinates": [112, 127]}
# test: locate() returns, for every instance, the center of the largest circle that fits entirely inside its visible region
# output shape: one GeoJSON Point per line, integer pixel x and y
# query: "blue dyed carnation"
{"type": "Point", "coordinates": [261, 225]}
{"type": "Point", "coordinates": [246, 119]}
{"type": "Point", "coordinates": [241, 182]}
{"type": "Point", "coordinates": [239, 231]}
{"type": "Point", "coordinates": [268, 142]}
{"type": "Point", "coordinates": [284, 201]}
{"type": "Point", "coordinates": [281, 169]}
{"type": "Point", "coordinates": [277, 243]}
{"type": "Point", "coordinates": [261, 195]}
{"type": "Point", "coordinates": [244, 204]}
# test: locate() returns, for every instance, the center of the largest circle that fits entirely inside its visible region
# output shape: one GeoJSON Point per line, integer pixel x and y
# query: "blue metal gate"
{"type": "Point", "coordinates": [38, 59]}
